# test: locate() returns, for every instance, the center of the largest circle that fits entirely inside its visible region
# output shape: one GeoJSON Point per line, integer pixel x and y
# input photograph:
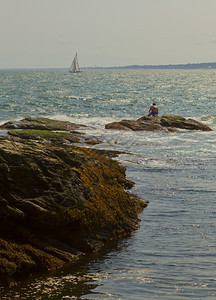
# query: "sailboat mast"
{"type": "Point", "coordinates": [77, 64]}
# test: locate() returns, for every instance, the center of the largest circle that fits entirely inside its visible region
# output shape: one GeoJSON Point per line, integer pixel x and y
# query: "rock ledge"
{"type": "Point", "coordinates": [166, 123]}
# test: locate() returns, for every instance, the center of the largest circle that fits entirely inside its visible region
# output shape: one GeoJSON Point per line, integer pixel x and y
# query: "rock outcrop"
{"type": "Point", "coordinates": [166, 123]}
{"type": "Point", "coordinates": [49, 130]}
{"type": "Point", "coordinates": [170, 121]}
{"type": "Point", "coordinates": [58, 202]}
{"type": "Point", "coordinates": [42, 124]}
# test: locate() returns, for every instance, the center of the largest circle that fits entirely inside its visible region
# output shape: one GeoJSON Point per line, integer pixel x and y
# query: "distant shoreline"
{"type": "Point", "coordinates": [211, 65]}
{"type": "Point", "coordinates": [189, 66]}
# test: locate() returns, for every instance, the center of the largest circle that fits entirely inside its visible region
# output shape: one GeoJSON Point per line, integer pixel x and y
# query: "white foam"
{"type": "Point", "coordinates": [84, 119]}
{"type": "Point", "coordinates": [3, 132]}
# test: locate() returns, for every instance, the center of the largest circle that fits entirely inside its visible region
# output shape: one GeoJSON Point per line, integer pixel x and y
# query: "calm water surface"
{"type": "Point", "coordinates": [173, 254]}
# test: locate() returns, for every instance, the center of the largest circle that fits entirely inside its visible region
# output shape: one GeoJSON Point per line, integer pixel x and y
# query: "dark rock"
{"type": "Point", "coordinates": [127, 184]}
{"type": "Point", "coordinates": [142, 124]}
{"type": "Point", "coordinates": [52, 136]}
{"type": "Point", "coordinates": [57, 202]}
{"type": "Point", "coordinates": [166, 123]}
{"type": "Point", "coordinates": [30, 208]}
{"type": "Point", "coordinates": [180, 122]}
{"type": "Point", "coordinates": [117, 126]}
{"type": "Point", "coordinates": [11, 212]}
{"type": "Point", "coordinates": [48, 130]}
{"type": "Point", "coordinates": [109, 153]}
{"type": "Point", "coordinates": [3, 202]}
{"type": "Point", "coordinates": [42, 124]}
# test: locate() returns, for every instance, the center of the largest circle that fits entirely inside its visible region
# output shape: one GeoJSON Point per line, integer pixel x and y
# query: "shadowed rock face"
{"type": "Point", "coordinates": [166, 123]}
{"type": "Point", "coordinates": [57, 202]}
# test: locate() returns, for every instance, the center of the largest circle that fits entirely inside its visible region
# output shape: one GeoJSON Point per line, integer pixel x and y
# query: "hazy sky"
{"type": "Point", "coordinates": [47, 33]}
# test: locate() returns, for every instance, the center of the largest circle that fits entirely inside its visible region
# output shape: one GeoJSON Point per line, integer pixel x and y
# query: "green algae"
{"type": "Point", "coordinates": [44, 135]}
{"type": "Point", "coordinates": [48, 130]}
{"type": "Point", "coordinates": [41, 124]}
{"type": "Point", "coordinates": [50, 124]}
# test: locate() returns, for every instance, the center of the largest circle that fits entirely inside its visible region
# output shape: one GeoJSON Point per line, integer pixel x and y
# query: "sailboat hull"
{"type": "Point", "coordinates": [75, 71]}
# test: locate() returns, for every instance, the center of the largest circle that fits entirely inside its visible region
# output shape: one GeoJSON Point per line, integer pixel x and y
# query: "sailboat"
{"type": "Point", "coordinates": [75, 65]}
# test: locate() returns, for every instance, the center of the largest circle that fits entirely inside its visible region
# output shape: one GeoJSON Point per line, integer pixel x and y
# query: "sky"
{"type": "Point", "coordinates": [48, 33]}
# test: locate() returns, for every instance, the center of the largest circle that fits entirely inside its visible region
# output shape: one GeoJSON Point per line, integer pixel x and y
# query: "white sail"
{"type": "Point", "coordinates": [75, 65]}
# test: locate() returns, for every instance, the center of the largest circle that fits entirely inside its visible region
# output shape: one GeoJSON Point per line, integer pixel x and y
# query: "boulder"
{"type": "Point", "coordinates": [180, 122]}
{"type": "Point", "coordinates": [145, 123]}
{"type": "Point", "coordinates": [166, 123]}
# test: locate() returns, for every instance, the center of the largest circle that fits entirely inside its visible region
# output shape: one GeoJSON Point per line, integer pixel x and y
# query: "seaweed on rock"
{"type": "Point", "coordinates": [57, 202]}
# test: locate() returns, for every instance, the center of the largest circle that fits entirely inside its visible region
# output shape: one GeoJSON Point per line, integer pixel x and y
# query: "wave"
{"type": "Point", "coordinates": [84, 118]}
{"type": "Point", "coordinates": [209, 120]}
{"type": "Point", "coordinates": [79, 97]}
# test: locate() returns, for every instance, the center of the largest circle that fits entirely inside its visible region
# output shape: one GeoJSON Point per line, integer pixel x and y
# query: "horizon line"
{"type": "Point", "coordinates": [133, 66]}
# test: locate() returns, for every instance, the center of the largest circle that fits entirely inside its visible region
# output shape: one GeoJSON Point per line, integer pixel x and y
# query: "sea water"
{"type": "Point", "coordinates": [173, 253]}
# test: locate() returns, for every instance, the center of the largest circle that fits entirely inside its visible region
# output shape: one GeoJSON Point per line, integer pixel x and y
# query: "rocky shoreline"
{"type": "Point", "coordinates": [59, 201]}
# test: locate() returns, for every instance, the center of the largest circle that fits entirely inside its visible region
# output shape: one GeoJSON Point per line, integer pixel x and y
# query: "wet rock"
{"type": "Point", "coordinates": [167, 123]}
{"type": "Point", "coordinates": [109, 153]}
{"type": "Point", "coordinates": [117, 126]}
{"type": "Point", "coordinates": [52, 136]}
{"type": "Point", "coordinates": [58, 202]}
{"type": "Point", "coordinates": [42, 124]}
{"type": "Point", "coordinates": [180, 122]}
{"type": "Point", "coordinates": [142, 124]}
{"type": "Point", "coordinates": [48, 130]}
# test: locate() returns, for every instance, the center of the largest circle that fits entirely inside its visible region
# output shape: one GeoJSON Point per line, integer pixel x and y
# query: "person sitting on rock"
{"type": "Point", "coordinates": [153, 111]}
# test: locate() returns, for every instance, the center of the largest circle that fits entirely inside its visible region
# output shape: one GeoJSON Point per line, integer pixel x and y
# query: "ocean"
{"type": "Point", "coordinates": [173, 253]}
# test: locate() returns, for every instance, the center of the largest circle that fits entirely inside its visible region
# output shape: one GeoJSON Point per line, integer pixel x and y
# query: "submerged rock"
{"type": "Point", "coordinates": [166, 123]}
{"type": "Point", "coordinates": [58, 202]}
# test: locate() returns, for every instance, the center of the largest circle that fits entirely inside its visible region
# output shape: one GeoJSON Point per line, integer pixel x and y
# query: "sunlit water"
{"type": "Point", "coordinates": [173, 254]}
